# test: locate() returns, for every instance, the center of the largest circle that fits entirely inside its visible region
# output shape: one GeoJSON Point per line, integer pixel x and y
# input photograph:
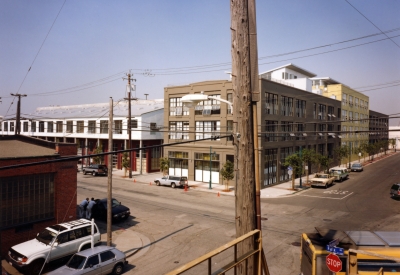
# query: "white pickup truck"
{"type": "Point", "coordinates": [322, 180]}
{"type": "Point", "coordinates": [173, 181]}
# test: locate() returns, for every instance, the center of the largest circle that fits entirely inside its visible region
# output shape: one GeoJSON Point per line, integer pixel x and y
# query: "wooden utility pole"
{"type": "Point", "coordinates": [129, 128]}
{"type": "Point", "coordinates": [110, 167]}
{"type": "Point", "coordinates": [18, 122]}
{"type": "Point", "coordinates": [245, 97]}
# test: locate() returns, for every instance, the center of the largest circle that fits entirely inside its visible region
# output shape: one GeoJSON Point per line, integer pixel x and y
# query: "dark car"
{"type": "Point", "coordinates": [95, 170]}
{"type": "Point", "coordinates": [356, 167]}
{"type": "Point", "coordinates": [118, 211]}
{"type": "Point", "coordinates": [395, 190]}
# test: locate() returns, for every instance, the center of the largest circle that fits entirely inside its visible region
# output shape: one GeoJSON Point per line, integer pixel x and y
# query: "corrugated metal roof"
{"type": "Point", "coordinates": [138, 108]}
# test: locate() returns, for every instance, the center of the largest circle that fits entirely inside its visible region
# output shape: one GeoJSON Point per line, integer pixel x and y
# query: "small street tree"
{"type": "Point", "coordinates": [164, 165]}
{"type": "Point", "coordinates": [392, 142]}
{"type": "Point", "coordinates": [363, 148]}
{"type": "Point", "coordinates": [295, 162]}
{"type": "Point", "coordinates": [371, 150]}
{"type": "Point", "coordinates": [125, 162]}
{"type": "Point", "coordinates": [227, 173]}
{"type": "Point", "coordinates": [98, 150]}
{"type": "Point", "coordinates": [341, 153]}
{"type": "Point", "coordinates": [325, 162]}
{"type": "Point", "coordinates": [308, 157]}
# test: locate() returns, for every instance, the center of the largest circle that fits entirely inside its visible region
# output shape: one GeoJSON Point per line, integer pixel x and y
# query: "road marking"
{"type": "Point", "coordinates": [336, 192]}
{"type": "Point", "coordinates": [327, 197]}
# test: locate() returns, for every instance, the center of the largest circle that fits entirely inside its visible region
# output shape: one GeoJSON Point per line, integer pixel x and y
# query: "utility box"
{"type": "Point", "coordinates": [360, 252]}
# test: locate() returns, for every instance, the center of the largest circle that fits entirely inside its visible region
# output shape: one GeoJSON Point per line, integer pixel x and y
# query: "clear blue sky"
{"type": "Point", "coordinates": [94, 42]}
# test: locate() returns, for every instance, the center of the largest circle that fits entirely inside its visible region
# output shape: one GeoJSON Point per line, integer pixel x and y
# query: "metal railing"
{"type": "Point", "coordinates": [255, 252]}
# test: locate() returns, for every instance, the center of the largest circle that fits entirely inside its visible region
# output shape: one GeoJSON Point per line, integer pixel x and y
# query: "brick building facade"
{"type": "Point", "coordinates": [34, 197]}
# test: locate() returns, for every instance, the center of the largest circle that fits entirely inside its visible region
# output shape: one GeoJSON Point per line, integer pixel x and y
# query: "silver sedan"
{"type": "Point", "coordinates": [97, 260]}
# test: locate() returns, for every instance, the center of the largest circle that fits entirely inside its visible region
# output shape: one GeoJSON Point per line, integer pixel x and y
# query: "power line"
{"type": "Point", "coordinates": [373, 24]}
{"type": "Point", "coordinates": [41, 46]}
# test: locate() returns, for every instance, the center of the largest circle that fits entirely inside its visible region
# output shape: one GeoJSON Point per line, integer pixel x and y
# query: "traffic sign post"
{"type": "Point", "coordinates": [334, 263]}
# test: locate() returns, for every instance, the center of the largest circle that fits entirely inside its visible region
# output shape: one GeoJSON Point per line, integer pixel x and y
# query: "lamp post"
{"type": "Point", "coordinates": [301, 172]}
{"type": "Point", "coordinates": [211, 154]}
{"type": "Point", "coordinates": [359, 156]}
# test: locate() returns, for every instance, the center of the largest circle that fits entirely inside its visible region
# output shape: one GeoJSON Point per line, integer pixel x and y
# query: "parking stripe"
{"type": "Point", "coordinates": [326, 197]}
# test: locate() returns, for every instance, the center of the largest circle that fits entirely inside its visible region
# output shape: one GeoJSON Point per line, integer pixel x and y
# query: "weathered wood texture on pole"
{"type": "Point", "coordinates": [110, 166]}
{"type": "Point", "coordinates": [242, 80]}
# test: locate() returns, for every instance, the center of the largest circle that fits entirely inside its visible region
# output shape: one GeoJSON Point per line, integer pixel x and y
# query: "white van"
{"type": "Point", "coordinates": [340, 174]}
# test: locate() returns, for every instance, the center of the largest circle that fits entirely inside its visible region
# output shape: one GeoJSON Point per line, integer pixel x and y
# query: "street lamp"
{"type": "Point", "coordinates": [359, 156]}
{"type": "Point", "coordinates": [192, 100]}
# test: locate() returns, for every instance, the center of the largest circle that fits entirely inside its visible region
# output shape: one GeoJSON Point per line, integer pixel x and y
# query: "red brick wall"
{"type": "Point", "coordinates": [65, 186]}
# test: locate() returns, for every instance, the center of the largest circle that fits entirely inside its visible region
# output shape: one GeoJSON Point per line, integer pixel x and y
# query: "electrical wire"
{"type": "Point", "coordinates": [372, 23]}
{"type": "Point", "coordinates": [30, 67]}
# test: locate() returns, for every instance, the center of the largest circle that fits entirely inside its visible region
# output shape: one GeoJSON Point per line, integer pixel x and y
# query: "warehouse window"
{"type": "Point", "coordinates": [26, 199]}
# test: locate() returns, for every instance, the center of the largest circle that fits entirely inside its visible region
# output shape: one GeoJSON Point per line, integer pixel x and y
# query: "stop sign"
{"type": "Point", "coordinates": [334, 263]}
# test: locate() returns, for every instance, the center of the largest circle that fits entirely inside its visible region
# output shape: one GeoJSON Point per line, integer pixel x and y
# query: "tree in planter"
{"type": "Point", "coordinates": [325, 162]}
{"type": "Point", "coordinates": [125, 162]}
{"type": "Point", "coordinates": [392, 142]}
{"type": "Point", "coordinates": [295, 162]}
{"type": "Point", "coordinates": [164, 165]}
{"type": "Point", "coordinates": [371, 150]}
{"type": "Point", "coordinates": [227, 173]}
{"type": "Point", "coordinates": [341, 153]}
{"type": "Point", "coordinates": [98, 159]}
{"type": "Point", "coordinates": [363, 148]}
{"type": "Point", "coordinates": [308, 157]}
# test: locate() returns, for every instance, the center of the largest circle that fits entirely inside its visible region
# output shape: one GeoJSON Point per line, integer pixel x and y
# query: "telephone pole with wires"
{"type": "Point", "coordinates": [18, 126]}
{"type": "Point", "coordinates": [129, 128]}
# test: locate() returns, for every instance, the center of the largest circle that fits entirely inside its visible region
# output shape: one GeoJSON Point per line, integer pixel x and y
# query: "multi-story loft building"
{"type": "Point", "coordinates": [378, 125]}
{"type": "Point", "coordinates": [87, 126]}
{"type": "Point", "coordinates": [355, 110]}
{"type": "Point", "coordinates": [290, 120]}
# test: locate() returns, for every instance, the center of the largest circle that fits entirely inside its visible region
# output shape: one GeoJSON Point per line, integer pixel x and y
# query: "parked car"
{"type": "Point", "coordinates": [98, 260]}
{"type": "Point", "coordinates": [395, 190]}
{"type": "Point", "coordinates": [95, 169]}
{"type": "Point", "coordinates": [173, 181]}
{"type": "Point", "coordinates": [61, 240]}
{"type": "Point", "coordinates": [340, 174]}
{"type": "Point", "coordinates": [356, 167]}
{"type": "Point", "coordinates": [118, 211]}
{"type": "Point", "coordinates": [324, 180]}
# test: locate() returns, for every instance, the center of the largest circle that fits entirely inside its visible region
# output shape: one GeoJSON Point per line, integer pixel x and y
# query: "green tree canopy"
{"type": "Point", "coordinates": [227, 173]}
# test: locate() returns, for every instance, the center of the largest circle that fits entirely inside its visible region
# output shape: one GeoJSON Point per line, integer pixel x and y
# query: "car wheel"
{"type": "Point", "coordinates": [94, 173]}
{"type": "Point", "coordinates": [35, 267]}
{"type": "Point", "coordinates": [173, 185]}
{"type": "Point", "coordinates": [84, 172]}
{"type": "Point", "coordinates": [157, 183]}
{"type": "Point", "coordinates": [118, 269]}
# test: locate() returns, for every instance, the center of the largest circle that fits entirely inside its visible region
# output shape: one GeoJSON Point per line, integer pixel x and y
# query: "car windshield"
{"type": "Point", "coordinates": [46, 236]}
{"type": "Point", "coordinates": [115, 203]}
{"type": "Point", "coordinates": [356, 165]}
{"type": "Point", "coordinates": [76, 262]}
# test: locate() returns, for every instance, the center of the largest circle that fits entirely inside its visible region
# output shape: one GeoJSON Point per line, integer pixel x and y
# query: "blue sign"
{"type": "Point", "coordinates": [290, 168]}
{"type": "Point", "coordinates": [336, 250]}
